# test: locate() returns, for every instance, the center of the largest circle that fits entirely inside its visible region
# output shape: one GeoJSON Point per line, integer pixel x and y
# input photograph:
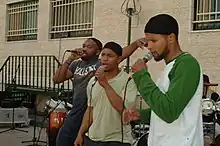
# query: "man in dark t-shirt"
{"type": "Point", "coordinates": [82, 70]}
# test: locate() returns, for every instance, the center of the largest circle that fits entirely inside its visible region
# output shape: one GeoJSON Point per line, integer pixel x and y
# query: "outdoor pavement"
{"type": "Point", "coordinates": [15, 138]}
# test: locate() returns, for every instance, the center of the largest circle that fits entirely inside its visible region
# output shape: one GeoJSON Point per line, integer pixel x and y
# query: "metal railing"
{"type": "Point", "coordinates": [32, 73]}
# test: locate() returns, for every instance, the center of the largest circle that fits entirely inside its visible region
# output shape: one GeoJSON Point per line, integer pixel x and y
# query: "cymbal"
{"type": "Point", "coordinates": [210, 84]}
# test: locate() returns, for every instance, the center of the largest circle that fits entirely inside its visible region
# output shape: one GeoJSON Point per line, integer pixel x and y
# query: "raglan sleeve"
{"type": "Point", "coordinates": [184, 79]}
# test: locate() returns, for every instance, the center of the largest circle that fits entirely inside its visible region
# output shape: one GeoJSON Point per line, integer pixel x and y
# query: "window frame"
{"type": "Point", "coordinates": [70, 33]}
{"type": "Point", "coordinates": [200, 23]}
{"type": "Point", "coordinates": [24, 30]}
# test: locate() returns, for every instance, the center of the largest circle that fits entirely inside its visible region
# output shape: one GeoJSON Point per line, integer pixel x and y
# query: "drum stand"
{"type": "Point", "coordinates": [34, 139]}
{"type": "Point", "coordinates": [214, 123]}
{"type": "Point", "coordinates": [48, 115]}
{"type": "Point", "coordinates": [140, 124]}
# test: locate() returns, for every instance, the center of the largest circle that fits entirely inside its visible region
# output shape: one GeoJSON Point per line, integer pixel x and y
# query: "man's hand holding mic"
{"type": "Point", "coordinates": [139, 65]}
{"type": "Point", "coordinates": [75, 54]}
{"type": "Point", "coordinates": [100, 77]}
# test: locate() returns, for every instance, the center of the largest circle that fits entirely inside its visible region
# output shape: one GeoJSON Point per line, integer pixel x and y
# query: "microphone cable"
{"type": "Point", "coordinates": [90, 102]}
{"type": "Point", "coordinates": [123, 108]}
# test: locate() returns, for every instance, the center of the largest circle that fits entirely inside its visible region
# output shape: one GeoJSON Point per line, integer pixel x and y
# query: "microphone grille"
{"type": "Point", "coordinates": [102, 68]}
{"type": "Point", "coordinates": [148, 56]}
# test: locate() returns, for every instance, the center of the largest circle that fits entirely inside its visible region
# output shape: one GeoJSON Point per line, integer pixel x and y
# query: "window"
{"type": "Point", "coordinates": [22, 21]}
{"type": "Point", "coordinates": [71, 18]}
{"type": "Point", "coordinates": [206, 15]}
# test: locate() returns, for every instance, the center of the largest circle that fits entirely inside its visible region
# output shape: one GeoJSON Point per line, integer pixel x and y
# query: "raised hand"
{"type": "Point", "coordinates": [142, 43]}
{"type": "Point", "coordinates": [130, 115]}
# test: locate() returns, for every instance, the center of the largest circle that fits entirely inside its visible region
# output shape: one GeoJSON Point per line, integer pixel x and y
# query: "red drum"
{"type": "Point", "coordinates": [56, 120]}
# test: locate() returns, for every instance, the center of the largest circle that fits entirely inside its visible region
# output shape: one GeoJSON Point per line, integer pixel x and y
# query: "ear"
{"type": "Point", "coordinates": [98, 52]}
{"type": "Point", "coordinates": [119, 59]}
{"type": "Point", "coordinates": [171, 38]}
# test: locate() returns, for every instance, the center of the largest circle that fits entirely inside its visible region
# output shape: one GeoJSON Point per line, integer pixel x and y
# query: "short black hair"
{"type": "Point", "coordinates": [98, 42]}
{"type": "Point", "coordinates": [162, 24]}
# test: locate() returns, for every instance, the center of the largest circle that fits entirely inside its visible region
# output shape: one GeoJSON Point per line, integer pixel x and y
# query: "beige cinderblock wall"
{"type": "Point", "coordinates": [110, 24]}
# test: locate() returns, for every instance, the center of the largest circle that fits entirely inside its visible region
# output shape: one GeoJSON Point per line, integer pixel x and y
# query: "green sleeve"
{"type": "Point", "coordinates": [184, 79]}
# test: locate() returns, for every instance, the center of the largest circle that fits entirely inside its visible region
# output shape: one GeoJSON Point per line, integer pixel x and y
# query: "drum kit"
{"type": "Point", "coordinates": [210, 111]}
{"type": "Point", "coordinates": [211, 119]}
{"type": "Point", "coordinates": [57, 113]}
{"type": "Point", "coordinates": [140, 134]}
{"type": "Point", "coordinates": [140, 131]}
{"type": "Point", "coordinates": [211, 128]}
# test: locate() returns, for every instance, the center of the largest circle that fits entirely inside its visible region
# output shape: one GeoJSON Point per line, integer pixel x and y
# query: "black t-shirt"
{"type": "Point", "coordinates": [83, 71]}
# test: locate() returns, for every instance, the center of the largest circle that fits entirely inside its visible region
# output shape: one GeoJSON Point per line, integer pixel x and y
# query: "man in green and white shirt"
{"type": "Point", "coordinates": [175, 100]}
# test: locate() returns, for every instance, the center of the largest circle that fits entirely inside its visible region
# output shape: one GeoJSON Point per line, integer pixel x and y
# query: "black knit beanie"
{"type": "Point", "coordinates": [98, 43]}
{"type": "Point", "coordinates": [114, 47]}
{"type": "Point", "coordinates": [162, 24]}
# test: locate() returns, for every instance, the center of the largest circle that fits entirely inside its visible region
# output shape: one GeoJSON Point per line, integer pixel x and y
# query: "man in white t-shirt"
{"type": "Point", "coordinates": [105, 94]}
{"type": "Point", "coordinates": [175, 99]}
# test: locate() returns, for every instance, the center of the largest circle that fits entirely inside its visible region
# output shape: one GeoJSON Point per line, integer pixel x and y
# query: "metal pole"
{"type": "Point", "coordinates": [59, 51]}
{"type": "Point", "coordinates": [129, 10]}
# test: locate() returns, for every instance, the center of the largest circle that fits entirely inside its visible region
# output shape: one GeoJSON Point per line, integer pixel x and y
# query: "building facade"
{"type": "Point", "coordinates": [48, 27]}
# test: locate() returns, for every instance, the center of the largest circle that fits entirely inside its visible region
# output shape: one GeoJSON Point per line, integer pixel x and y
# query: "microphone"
{"type": "Point", "coordinates": [102, 68]}
{"type": "Point", "coordinates": [72, 51]}
{"type": "Point", "coordinates": [147, 57]}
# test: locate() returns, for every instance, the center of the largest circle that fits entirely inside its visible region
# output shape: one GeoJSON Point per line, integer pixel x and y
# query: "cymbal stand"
{"type": "Point", "coordinates": [34, 139]}
{"type": "Point", "coordinates": [13, 127]}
